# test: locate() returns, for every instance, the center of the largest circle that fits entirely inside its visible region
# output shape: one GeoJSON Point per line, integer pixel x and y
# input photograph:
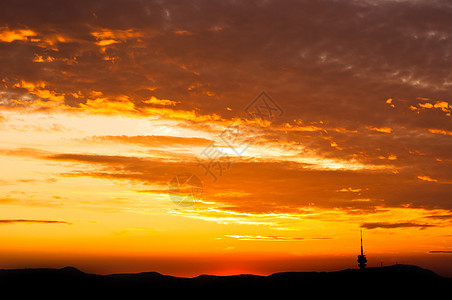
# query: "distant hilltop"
{"type": "Point", "coordinates": [70, 282]}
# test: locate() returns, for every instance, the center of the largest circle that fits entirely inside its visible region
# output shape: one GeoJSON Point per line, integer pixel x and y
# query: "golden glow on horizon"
{"type": "Point", "coordinates": [111, 212]}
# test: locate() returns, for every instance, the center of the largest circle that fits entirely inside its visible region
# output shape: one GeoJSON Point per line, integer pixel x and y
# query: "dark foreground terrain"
{"type": "Point", "coordinates": [70, 282]}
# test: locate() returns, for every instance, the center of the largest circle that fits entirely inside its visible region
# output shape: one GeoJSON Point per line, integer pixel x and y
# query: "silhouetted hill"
{"type": "Point", "coordinates": [69, 281]}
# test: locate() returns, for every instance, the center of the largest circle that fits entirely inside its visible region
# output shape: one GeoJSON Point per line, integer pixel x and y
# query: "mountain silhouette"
{"type": "Point", "coordinates": [69, 281]}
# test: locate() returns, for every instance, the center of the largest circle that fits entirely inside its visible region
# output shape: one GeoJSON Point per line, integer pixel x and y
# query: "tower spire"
{"type": "Point", "coordinates": [362, 260]}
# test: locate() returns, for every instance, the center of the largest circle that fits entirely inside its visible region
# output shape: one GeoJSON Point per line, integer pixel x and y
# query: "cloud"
{"type": "Point", "coordinates": [164, 102]}
{"type": "Point", "coordinates": [427, 178]}
{"type": "Point", "coordinates": [106, 37]}
{"type": "Point", "coordinates": [142, 33]}
{"type": "Point", "coordinates": [242, 186]}
{"type": "Point", "coordinates": [339, 77]}
{"type": "Point", "coordinates": [440, 252]}
{"type": "Point", "coordinates": [14, 221]}
{"type": "Point", "coordinates": [8, 36]}
{"type": "Point", "coordinates": [440, 217]}
{"type": "Point", "coordinates": [94, 158]}
{"type": "Point", "coordinates": [388, 225]}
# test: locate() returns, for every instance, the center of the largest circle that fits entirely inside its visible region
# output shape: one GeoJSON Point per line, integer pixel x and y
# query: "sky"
{"type": "Point", "coordinates": [225, 137]}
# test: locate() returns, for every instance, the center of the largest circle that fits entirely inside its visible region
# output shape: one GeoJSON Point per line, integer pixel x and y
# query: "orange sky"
{"type": "Point", "coordinates": [105, 104]}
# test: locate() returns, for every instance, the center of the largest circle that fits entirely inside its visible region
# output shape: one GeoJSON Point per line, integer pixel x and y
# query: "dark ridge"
{"type": "Point", "coordinates": [400, 279]}
{"type": "Point", "coordinates": [71, 270]}
{"type": "Point", "coordinates": [142, 274]}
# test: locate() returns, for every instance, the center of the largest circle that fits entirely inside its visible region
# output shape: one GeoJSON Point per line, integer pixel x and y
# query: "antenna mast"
{"type": "Point", "coordinates": [362, 242]}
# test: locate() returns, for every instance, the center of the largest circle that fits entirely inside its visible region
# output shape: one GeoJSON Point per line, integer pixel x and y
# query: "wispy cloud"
{"type": "Point", "coordinates": [14, 221]}
{"type": "Point", "coordinates": [388, 225]}
{"type": "Point", "coordinates": [440, 217]}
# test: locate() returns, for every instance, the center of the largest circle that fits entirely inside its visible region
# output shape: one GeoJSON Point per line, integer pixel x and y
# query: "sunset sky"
{"type": "Point", "coordinates": [104, 105]}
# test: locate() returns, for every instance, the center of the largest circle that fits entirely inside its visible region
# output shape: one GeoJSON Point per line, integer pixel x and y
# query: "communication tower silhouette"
{"type": "Point", "coordinates": [362, 260]}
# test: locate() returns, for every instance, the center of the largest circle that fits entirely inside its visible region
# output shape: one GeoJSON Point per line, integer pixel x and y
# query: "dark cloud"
{"type": "Point", "coordinates": [387, 225]}
{"type": "Point", "coordinates": [440, 217]}
{"type": "Point", "coordinates": [440, 252]}
{"type": "Point", "coordinates": [309, 54]}
{"type": "Point", "coordinates": [253, 186]}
